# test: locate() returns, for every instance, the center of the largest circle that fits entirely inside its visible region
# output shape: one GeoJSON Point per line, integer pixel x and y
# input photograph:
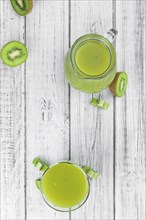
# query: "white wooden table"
{"type": "Point", "coordinates": [41, 115]}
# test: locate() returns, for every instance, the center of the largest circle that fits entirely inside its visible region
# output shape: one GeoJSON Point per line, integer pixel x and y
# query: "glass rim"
{"type": "Point", "coordinates": [58, 208]}
{"type": "Point", "coordinates": [77, 44]}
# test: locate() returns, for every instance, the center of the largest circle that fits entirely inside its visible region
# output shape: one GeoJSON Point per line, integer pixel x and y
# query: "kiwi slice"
{"type": "Point", "coordinates": [119, 84]}
{"type": "Point", "coordinates": [99, 103]}
{"type": "Point", "coordinates": [22, 7]}
{"type": "Point", "coordinates": [14, 53]}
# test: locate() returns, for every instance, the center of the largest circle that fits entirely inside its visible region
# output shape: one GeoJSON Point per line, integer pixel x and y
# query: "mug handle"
{"type": "Point", "coordinates": [90, 172]}
{"type": "Point", "coordinates": [38, 183]}
{"type": "Point", "coordinates": [40, 165]}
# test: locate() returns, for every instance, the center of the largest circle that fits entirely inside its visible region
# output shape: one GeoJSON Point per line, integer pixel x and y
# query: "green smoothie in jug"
{"type": "Point", "coordinates": [90, 64]}
{"type": "Point", "coordinates": [64, 185]}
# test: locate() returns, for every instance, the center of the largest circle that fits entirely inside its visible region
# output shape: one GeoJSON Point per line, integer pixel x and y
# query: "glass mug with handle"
{"type": "Point", "coordinates": [90, 64]}
{"type": "Point", "coordinates": [65, 185]}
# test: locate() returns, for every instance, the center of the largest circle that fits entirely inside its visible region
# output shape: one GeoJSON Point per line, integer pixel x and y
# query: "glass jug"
{"type": "Point", "coordinates": [90, 64]}
{"type": "Point", "coordinates": [64, 186]}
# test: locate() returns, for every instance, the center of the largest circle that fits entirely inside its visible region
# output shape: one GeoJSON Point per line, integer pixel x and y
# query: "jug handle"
{"type": "Point", "coordinates": [40, 165]}
{"type": "Point", "coordinates": [111, 35]}
{"type": "Point", "coordinates": [90, 172]}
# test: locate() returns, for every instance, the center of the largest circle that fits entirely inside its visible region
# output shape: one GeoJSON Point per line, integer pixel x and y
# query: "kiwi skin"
{"type": "Point", "coordinates": [31, 6]}
{"type": "Point", "coordinates": [113, 86]}
{"type": "Point", "coordinates": [28, 12]}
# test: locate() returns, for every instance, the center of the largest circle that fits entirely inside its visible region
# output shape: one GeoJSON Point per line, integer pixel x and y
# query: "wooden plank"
{"type": "Point", "coordinates": [12, 124]}
{"type": "Point", "coordinates": [47, 97]}
{"type": "Point", "coordinates": [131, 112]}
{"type": "Point", "coordinates": [92, 129]}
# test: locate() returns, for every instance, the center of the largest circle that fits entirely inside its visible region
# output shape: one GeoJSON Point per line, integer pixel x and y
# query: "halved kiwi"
{"type": "Point", "coordinates": [14, 53]}
{"type": "Point", "coordinates": [22, 7]}
{"type": "Point", "coordinates": [119, 84]}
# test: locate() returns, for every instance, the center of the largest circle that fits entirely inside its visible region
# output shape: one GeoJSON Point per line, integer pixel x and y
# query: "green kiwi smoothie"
{"type": "Point", "coordinates": [64, 185]}
{"type": "Point", "coordinates": [92, 58]}
{"type": "Point", "coordinates": [90, 64]}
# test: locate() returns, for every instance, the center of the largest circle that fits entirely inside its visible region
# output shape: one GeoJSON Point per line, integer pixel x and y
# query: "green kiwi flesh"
{"type": "Point", "coordinates": [119, 84]}
{"type": "Point", "coordinates": [22, 7]}
{"type": "Point", "coordinates": [14, 53]}
{"type": "Point", "coordinates": [99, 103]}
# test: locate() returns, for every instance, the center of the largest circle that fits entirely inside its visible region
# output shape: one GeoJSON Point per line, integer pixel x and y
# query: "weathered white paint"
{"type": "Point", "coordinates": [130, 136]}
{"type": "Point", "coordinates": [41, 116]}
{"type": "Point", "coordinates": [12, 133]}
{"type": "Point", "coordinates": [47, 118]}
{"type": "Point", "coordinates": [92, 129]}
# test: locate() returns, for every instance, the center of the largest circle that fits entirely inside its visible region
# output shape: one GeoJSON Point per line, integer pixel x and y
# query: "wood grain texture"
{"type": "Point", "coordinates": [47, 118]}
{"type": "Point", "coordinates": [40, 115]}
{"type": "Point", "coordinates": [92, 129]}
{"type": "Point", "coordinates": [12, 121]}
{"type": "Point", "coordinates": [130, 115]}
